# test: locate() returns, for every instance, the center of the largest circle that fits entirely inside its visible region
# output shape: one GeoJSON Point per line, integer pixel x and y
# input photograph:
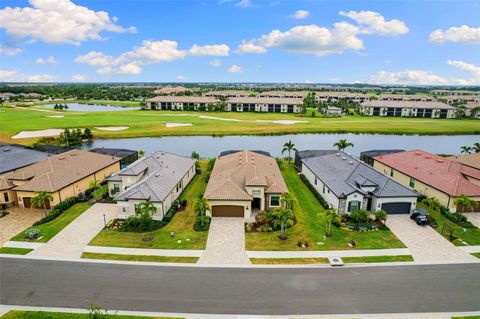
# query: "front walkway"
{"type": "Point", "coordinates": [17, 220]}
{"type": "Point", "coordinates": [72, 240]}
{"type": "Point", "coordinates": [226, 242]}
{"type": "Point", "coordinates": [425, 244]}
{"type": "Point", "coordinates": [474, 218]}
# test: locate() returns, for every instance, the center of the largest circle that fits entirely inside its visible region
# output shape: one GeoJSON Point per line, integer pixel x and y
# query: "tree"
{"type": "Point", "coordinates": [283, 217]}
{"type": "Point", "coordinates": [288, 199]}
{"type": "Point", "coordinates": [40, 200]}
{"type": "Point", "coordinates": [476, 147]}
{"type": "Point", "coordinates": [381, 215]}
{"type": "Point", "coordinates": [464, 202]}
{"type": "Point", "coordinates": [141, 153]}
{"type": "Point", "coordinates": [288, 147]}
{"type": "Point", "coordinates": [343, 144]}
{"type": "Point", "coordinates": [195, 155]}
{"type": "Point", "coordinates": [94, 184]}
{"type": "Point", "coordinates": [200, 205]}
{"type": "Point", "coordinates": [330, 216]}
{"type": "Point", "coordinates": [466, 149]}
{"type": "Point", "coordinates": [87, 134]}
{"type": "Point", "coordinates": [432, 203]}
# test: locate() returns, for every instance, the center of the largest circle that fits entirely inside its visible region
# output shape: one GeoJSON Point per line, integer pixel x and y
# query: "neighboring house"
{"type": "Point", "coordinates": [265, 104]}
{"type": "Point", "coordinates": [367, 156]}
{"type": "Point", "coordinates": [244, 181]}
{"type": "Point", "coordinates": [408, 108]}
{"type": "Point", "coordinates": [160, 177]}
{"type": "Point", "coordinates": [127, 157]}
{"type": "Point", "coordinates": [472, 160]}
{"type": "Point", "coordinates": [348, 184]}
{"type": "Point", "coordinates": [183, 103]}
{"type": "Point", "coordinates": [63, 176]}
{"type": "Point", "coordinates": [332, 110]}
{"type": "Point", "coordinates": [431, 175]}
{"type": "Point", "coordinates": [14, 157]}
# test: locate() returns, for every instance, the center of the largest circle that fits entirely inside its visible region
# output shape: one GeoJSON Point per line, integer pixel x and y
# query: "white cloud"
{"type": "Point", "coordinates": [462, 34]}
{"type": "Point", "coordinates": [7, 75]}
{"type": "Point", "coordinates": [244, 4]}
{"type": "Point", "coordinates": [153, 52]}
{"type": "Point", "coordinates": [215, 63]}
{"type": "Point", "coordinates": [234, 68]}
{"type": "Point", "coordinates": [9, 50]}
{"type": "Point", "coordinates": [473, 69]}
{"type": "Point", "coordinates": [300, 14]}
{"type": "Point", "coordinates": [49, 60]}
{"type": "Point", "coordinates": [79, 77]}
{"type": "Point", "coordinates": [129, 68]}
{"type": "Point", "coordinates": [181, 78]}
{"type": "Point", "coordinates": [375, 23]}
{"type": "Point", "coordinates": [209, 50]}
{"type": "Point", "coordinates": [57, 22]}
{"type": "Point", "coordinates": [15, 76]}
{"type": "Point", "coordinates": [94, 58]}
{"type": "Point", "coordinates": [417, 77]}
{"type": "Point", "coordinates": [250, 47]}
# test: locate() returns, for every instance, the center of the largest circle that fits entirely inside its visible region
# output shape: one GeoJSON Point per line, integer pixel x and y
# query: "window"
{"type": "Point", "coordinates": [116, 188]}
{"type": "Point", "coordinates": [324, 188]}
{"type": "Point", "coordinates": [412, 182]}
{"type": "Point", "coordinates": [315, 180]}
{"type": "Point", "coordinates": [391, 172]}
{"type": "Point", "coordinates": [274, 201]}
{"type": "Point", "coordinates": [179, 186]}
{"type": "Point", "coordinates": [353, 205]}
{"type": "Point", "coordinates": [5, 195]}
{"type": "Point", "coordinates": [137, 207]}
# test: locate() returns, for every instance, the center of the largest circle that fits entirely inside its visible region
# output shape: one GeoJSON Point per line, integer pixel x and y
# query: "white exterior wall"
{"type": "Point", "coordinates": [247, 206]}
{"type": "Point", "coordinates": [329, 196]}
{"type": "Point", "coordinates": [378, 201]}
{"type": "Point", "coordinates": [354, 197]}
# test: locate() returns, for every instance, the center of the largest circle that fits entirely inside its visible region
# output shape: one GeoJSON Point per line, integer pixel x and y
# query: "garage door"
{"type": "Point", "coordinates": [227, 211]}
{"type": "Point", "coordinates": [397, 208]}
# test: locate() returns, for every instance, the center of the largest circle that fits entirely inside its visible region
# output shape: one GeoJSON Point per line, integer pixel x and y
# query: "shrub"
{"type": "Point", "coordinates": [198, 223]}
{"type": "Point", "coordinates": [358, 216]}
{"type": "Point", "coordinates": [319, 197]}
{"type": "Point", "coordinates": [421, 198]}
{"type": "Point", "coordinates": [302, 243]}
{"type": "Point", "coordinates": [169, 215]}
{"type": "Point", "coordinates": [210, 164]}
{"type": "Point", "coordinates": [33, 233]}
{"type": "Point", "coordinates": [249, 227]}
{"type": "Point", "coordinates": [57, 211]}
{"type": "Point", "coordinates": [457, 218]}
{"type": "Point", "coordinates": [380, 215]}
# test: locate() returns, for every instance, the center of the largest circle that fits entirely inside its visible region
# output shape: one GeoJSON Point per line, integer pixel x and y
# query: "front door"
{"type": "Point", "coordinates": [27, 202]}
{"type": "Point", "coordinates": [257, 202]}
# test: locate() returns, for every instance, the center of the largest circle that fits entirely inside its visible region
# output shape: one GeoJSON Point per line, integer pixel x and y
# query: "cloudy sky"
{"type": "Point", "coordinates": [383, 42]}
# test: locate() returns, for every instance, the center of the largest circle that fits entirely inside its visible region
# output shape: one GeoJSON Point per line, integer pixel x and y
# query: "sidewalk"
{"type": "Point", "coordinates": [328, 253]}
{"type": "Point", "coordinates": [143, 251]}
{"type": "Point", "coordinates": [23, 244]}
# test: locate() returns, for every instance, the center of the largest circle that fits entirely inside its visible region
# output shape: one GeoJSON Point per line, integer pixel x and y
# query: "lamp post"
{"type": "Point", "coordinates": [105, 222]}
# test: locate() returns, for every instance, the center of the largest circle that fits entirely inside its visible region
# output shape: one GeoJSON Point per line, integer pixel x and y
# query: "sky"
{"type": "Point", "coordinates": [376, 42]}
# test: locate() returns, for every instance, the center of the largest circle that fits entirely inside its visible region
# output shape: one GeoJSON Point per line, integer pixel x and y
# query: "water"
{"type": "Point", "coordinates": [209, 146]}
{"type": "Point", "coordinates": [93, 107]}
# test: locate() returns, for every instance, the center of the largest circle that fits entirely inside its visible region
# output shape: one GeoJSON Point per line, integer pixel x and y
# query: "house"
{"type": "Point", "coordinates": [472, 160]}
{"type": "Point", "coordinates": [367, 156]}
{"type": "Point", "coordinates": [127, 157]}
{"type": "Point", "coordinates": [428, 109]}
{"type": "Point", "coordinates": [14, 157]}
{"type": "Point", "coordinates": [431, 175]}
{"type": "Point", "coordinates": [167, 90]}
{"type": "Point", "coordinates": [242, 182]}
{"type": "Point", "coordinates": [406, 97]}
{"type": "Point", "coordinates": [264, 104]}
{"type": "Point", "coordinates": [183, 103]}
{"type": "Point", "coordinates": [348, 184]}
{"type": "Point", "coordinates": [227, 94]}
{"type": "Point", "coordinates": [160, 177]}
{"type": "Point", "coordinates": [62, 176]}
{"type": "Point", "coordinates": [331, 110]}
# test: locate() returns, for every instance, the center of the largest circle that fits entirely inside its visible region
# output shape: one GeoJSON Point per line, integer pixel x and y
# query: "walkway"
{"type": "Point", "coordinates": [425, 244]}
{"type": "Point", "coordinates": [226, 242]}
{"type": "Point", "coordinates": [17, 220]}
{"type": "Point", "coordinates": [72, 240]}
{"type": "Point", "coordinates": [474, 218]}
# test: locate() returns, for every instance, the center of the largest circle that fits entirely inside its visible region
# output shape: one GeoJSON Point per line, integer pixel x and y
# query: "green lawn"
{"type": "Point", "coordinates": [53, 227]}
{"type": "Point", "coordinates": [476, 255]}
{"type": "Point", "coordinates": [471, 235]}
{"type": "Point", "coordinates": [14, 314]}
{"type": "Point", "coordinates": [377, 259]}
{"type": "Point", "coordinates": [181, 224]}
{"type": "Point", "coordinates": [311, 227]}
{"type": "Point", "coordinates": [149, 123]}
{"type": "Point", "coordinates": [160, 259]}
{"type": "Point", "coordinates": [468, 317]}
{"type": "Point", "coordinates": [14, 251]}
{"type": "Point", "coordinates": [288, 261]}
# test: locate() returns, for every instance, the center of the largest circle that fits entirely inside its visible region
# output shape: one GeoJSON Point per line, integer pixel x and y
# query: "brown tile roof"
{"type": "Point", "coordinates": [59, 171]}
{"type": "Point", "coordinates": [183, 99]}
{"type": "Point", "coordinates": [408, 104]}
{"type": "Point", "coordinates": [232, 173]}
{"type": "Point", "coordinates": [5, 183]}
{"type": "Point", "coordinates": [472, 160]}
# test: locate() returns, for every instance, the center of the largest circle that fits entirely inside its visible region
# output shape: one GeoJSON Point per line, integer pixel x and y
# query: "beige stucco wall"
{"type": "Point", "coordinates": [12, 196]}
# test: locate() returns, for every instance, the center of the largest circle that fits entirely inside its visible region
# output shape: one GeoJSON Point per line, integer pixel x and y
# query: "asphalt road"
{"type": "Point", "coordinates": [274, 291]}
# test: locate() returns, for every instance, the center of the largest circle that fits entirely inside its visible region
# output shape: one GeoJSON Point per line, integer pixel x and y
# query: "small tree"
{"type": "Point", "coordinates": [94, 184]}
{"type": "Point", "coordinates": [465, 203]}
{"type": "Point", "coordinates": [466, 149]}
{"type": "Point", "coordinates": [432, 203]}
{"type": "Point", "coordinates": [141, 153]}
{"type": "Point", "coordinates": [145, 213]}
{"type": "Point", "coordinates": [87, 134]}
{"type": "Point", "coordinates": [288, 147]}
{"type": "Point", "coordinates": [330, 216]}
{"type": "Point", "coordinates": [283, 217]}
{"type": "Point", "coordinates": [201, 205]}
{"type": "Point", "coordinates": [40, 200]}
{"type": "Point", "coordinates": [476, 147]}
{"type": "Point", "coordinates": [288, 199]}
{"type": "Point", "coordinates": [381, 215]}
{"type": "Point", "coordinates": [342, 144]}
{"type": "Point", "coordinates": [195, 155]}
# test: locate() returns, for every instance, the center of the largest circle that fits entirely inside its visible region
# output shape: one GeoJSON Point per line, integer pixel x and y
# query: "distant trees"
{"type": "Point", "coordinates": [60, 107]}
{"type": "Point", "coordinates": [75, 136]}
{"type": "Point", "coordinates": [342, 144]}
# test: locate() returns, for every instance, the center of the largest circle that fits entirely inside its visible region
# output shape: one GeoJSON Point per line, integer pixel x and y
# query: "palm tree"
{"type": "Point", "coordinates": [464, 202]}
{"type": "Point", "coordinates": [466, 149]}
{"type": "Point", "coordinates": [283, 217]}
{"type": "Point", "coordinates": [432, 203]}
{"type": "Point", "coordinates": [343, 144]}
{"type": "Point", "coordinates": [141, 153]}
{"type": "Point", "coordinates": [41, 199]}
{"type": "Point", "coordinates": [476, 147]}
{"type": "Point", "coordinates": [200, 205]}
{"type": "Point", "coordinates": [195, 155]}
{"type": "Point", "coordinates": [330, 216]}
{"type": "Point", "coordinates": [288, 147]}
{"type": "Point", "coordinates": [147, 208]}
{"type": "Point", "coordinates": [288, 199]}
{"type": "Point", "coordinates": [94, 184]}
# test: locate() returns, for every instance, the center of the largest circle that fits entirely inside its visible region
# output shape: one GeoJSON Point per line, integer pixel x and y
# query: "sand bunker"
{"type": "Point", "coordinates": [177, 124]}
{"type": "Point", "coordinates": [55, 116]}
{"type": "Point", "coordinates": [39, 133]}
{"type": "Point", "coordinates": [284, 122]}
{"type": "Point", "coordinates": [111, 128]}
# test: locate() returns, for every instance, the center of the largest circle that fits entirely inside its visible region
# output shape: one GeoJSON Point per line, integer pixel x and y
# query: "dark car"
{"type": "Point", "coordinates": [420, 216]}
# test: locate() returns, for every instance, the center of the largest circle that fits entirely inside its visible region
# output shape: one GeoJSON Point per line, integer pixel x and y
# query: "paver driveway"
{"type": "Point", "coordinates": [425, 244]}
{"type": "Point", "coordinates": [17, 220]}
{"type": "Point", "coordinates": [226, 242]}
{"type": "Point", "coordinates": [73, 239]}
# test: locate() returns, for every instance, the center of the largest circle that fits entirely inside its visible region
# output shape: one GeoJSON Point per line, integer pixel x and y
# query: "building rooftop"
{"type": "Point", "coordinates": [13, 157]}
{"type": "Point", "coordinates": [183, 99]}
{"type": "Point", "coordinates": [266, 100]}
{"type": "Point", "coordinates": [408, 104]}
{"type": "Point", "coordinates": [117, 152]}
{"type": "Point", "coordinates": [472, 160]}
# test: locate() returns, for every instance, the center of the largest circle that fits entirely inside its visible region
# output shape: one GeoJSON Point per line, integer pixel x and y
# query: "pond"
{"type": "Point", "coordinates": [93, 107]}
{"type": "Point", "coordinates": [209, 146]}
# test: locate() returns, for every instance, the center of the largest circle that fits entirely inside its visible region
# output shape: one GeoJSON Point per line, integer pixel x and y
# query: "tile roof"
{"type": "Point", "coordinates": [183, 99]}
{"type": "Point", "coordinates": [408, 104]}
{"type": "Point", "coordinates": [59, 171]}
{"type": "Point", "coordinates": [444, 174]}
{"type": "Point", "coordinates": [266, 100]}
{"type": "Point", "coordinates": [233, 172]}
{"type": "Point", "coordinates": [14, 157]}
{"type": "Point", "coordinates": [472, 160]}
{"type": "Point", "coordinates": [344, 175]}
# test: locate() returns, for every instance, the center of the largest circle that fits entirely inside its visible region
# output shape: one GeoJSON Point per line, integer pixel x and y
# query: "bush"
{"type": "Point", "coordinates": [421, 198]}
{"type": "Point", "coordinates": [210, 164]}
{"type": "Point", "coordinates": [33, 233]}
{"type": "Point", "coordinates": [169, 215]}
{"type": "Point", "coordinates": [457, 218]}
{"type": "Point", "coordinates": [198, 223]}
{"type": "Point", "coordinates": [302, 243]}
{"type": "Point", "coordinates": [139, 224]}
{"type": "Point", "coordinates": [322, 201]}
{"type": "Point", "coordinates": [358, 216]}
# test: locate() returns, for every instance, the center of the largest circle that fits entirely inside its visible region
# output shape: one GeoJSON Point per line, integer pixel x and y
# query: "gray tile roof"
{"type": "Point", "coordinates": [344, 174]}
{"type": "Point", "coordinates": [162, 172]}
{"type": "Point", "coordinates": [14, 157]}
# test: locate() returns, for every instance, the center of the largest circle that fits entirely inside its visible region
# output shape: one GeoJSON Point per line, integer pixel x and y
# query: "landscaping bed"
{"type": "Point", "coordinates": [289, 261]}
{"type": "Point", "coordinates": [147, 258]}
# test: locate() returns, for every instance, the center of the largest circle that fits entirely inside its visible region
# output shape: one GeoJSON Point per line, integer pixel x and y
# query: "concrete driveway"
{"type": "Point", "coordinates": [17, 220]}
{"type": "Point", "coordinates": [226, 242]}
{"type": "Point", "coordinates": [73, 239]}
{"type": "Point", "coordinates": [425, 244]}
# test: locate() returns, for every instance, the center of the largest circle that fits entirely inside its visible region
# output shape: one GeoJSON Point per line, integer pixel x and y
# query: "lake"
{"type": "Point", "coordinates": [93, 107]}
{"type": "Point", "coordinates": [209, 146]}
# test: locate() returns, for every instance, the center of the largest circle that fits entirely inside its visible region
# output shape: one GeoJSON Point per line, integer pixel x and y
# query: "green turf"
{"type": "Point", "coordinates": [377, 259]}
{"type": "Point", "coordinates": [476, 255]}
{"type": "Point", "coordinates": [181, 224]}
{"type": "Point", "coordinates": [311, 226]}
{"type": "Point", "coordinates": [62, 315]}
{"type": "Point", "coordinates": [288, 261]}
{"type": "Point", "coordinates": [53, 227]}
{"type": "Point", "coordinates": [149, 258]}
{"type": "Point", "coordinates": [14, 251]}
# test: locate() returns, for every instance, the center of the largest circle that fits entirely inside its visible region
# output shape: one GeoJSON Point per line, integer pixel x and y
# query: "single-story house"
{"type": "Point", "coordinates": [472, 160]}
{"type": "Point", "coordinates": [14, 157]}
{"type": "Point", "coordinates": [127, 157]}
{"type": "Point", "coordinates": [160, 177]}
{"type": "Point", "coordinates": [431, 175]}
{"type": "Point", "coordinates": [367, 156]}
{"type": "Point", "coordinates": [62, 176]}
{"type": "Point", "coordinates": [348, 184]}
{"type": "Point", "coordinates": [244, 181]}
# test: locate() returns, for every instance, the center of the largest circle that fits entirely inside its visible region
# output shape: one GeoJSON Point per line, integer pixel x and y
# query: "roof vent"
{"type": "Point", "coordinates": [350, 162]}
{"type": "Point", "coordinates": [338, 154]}
{"type": "Point", "coordinates": [157, 175]}
{"type": "Point", "coordinates": [418, 153]}
{"type": "Point", "coordinates": [61, 157]}
{"type": "Point", "coordinates": [343, 158]}
{"type": "Point", "coordinates": [428, 156]}
{"type": "Point", "coordinates": [440, 160]}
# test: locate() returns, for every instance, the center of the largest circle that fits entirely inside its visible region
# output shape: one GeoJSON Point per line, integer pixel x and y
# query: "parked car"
{"type": "Point", "coordinates": [420, 216]}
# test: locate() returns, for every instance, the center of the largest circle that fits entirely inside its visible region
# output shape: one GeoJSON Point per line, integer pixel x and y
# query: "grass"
{"type": "Point", "coordinates": [311, 226]}
{"type": "Point", "coordinates": [182, 224]}
{"type": "Point", "coordinates": [468, 317]}
{"type": "Point", "coordinates": [476, 255]}
{"type": "Point", "coordinates": [104, 102]}
{"type": "Point", "coordinates": [471, 236]}
{"type": "Point", "coordinates": [377, 259]}
{"type": "Point", "coordinates": [14, 251]}
{"type": "Point", "coordinates": [53, 227]}
{"type": "Point", "coordinates": [149, 123]}
{"type": "Point", "coordinates": [14, 314]}
{"type": "Point", "coordinates": [290, 261]}
{"type": "Point", "coordinates": [159, 259]}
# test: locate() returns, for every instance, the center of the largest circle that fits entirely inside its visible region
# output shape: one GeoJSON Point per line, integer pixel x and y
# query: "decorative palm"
{"type": "Point", "coordinates": [288, 147]}
{"type": "Point", "coordinates": [466, 149]}
{"type": "Point", "coordinates": [464, 202]}
{"type": "Point", "coordinates": [94, 184]}
{"type": "Point", "coordinates": [432, 203]}
{"type": "Point", "coordinates": [343, 144]}
{"type": "Point", "coordinates": [283, 217]}
{"type": "Point", "coordinates": [288, 199]}
{"type": "Point", "coordinates": [141, 153]}
{"type": "Point", "coordinates": [330, 216]}
{"type": "Point", "coordinates": [147, 208]}
{"type": "Point", "coordinates": [476, 147]}
{"type": "Point", "coordinates": [200, 205]}
{"type": "Point", "coordinates": [40, 200]}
